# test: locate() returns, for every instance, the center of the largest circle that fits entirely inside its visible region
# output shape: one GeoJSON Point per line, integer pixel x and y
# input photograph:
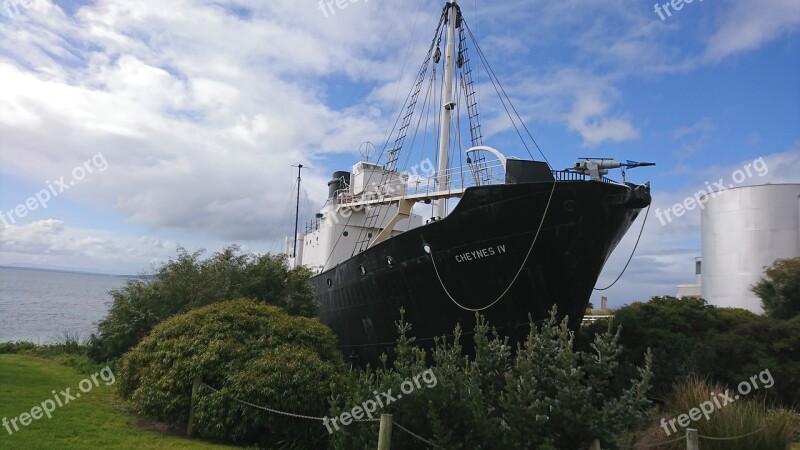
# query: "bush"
{"type": "Point", "coordinates": [756, 345]}
{"type": "Point", "coordinates": [772, 429]}
{"type": "Point", "coordinates": [247, 351]}
{"type": "Point", "coordinates": [779, 290]}
{"type": "Point", "coordinates": [188, 282]}
{"type": "Point", "coordinates": [689, 337]}
{"type": "Point", "coordinates": [674, 329]}
{"type": "Point", "coordinates": [549, 396]}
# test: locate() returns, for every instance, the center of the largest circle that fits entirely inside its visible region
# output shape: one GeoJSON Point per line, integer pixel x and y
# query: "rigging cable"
{"type": "Point", "coordinates": [385, 212]}
{"type": "Point", "coordinates": [374, 57]}
{"type": "Point", "coordinates": [405, 61]}
{"type": "Point", "coordinates": [399, 115]}
{"type": "Point", "coordinates": [632, 252]}
{"type": "Point", "coordinates": [492, 78]}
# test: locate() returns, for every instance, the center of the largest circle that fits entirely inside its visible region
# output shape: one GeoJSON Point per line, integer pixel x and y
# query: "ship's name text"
{"type": "Point", "coordinates": [482, 253]}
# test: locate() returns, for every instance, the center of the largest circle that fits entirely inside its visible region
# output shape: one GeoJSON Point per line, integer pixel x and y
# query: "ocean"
{"type": "Point", "coordinates": [42, 305]}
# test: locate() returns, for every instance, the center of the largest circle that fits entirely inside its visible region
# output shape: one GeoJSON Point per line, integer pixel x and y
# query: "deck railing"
{"type": "Point", "coordinates": [486, 173]}
{"type": "Point", "coordinates": [457, 179]}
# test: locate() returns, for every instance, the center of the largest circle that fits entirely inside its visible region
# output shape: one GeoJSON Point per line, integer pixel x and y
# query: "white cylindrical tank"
{"type": "Point", "coordinates": [744, 230]}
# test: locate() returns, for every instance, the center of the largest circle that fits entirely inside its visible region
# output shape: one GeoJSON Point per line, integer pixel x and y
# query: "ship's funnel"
{"type": "Point", "coordinates": [339, 180]}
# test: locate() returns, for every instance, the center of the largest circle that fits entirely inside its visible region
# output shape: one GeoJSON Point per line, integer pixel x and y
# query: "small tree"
{"type": "Point", "coordinates": [779, 290]}
{"type": "Point", "coordinates": [188, 282]}
{"type": "Point", "coordinates": [549, 396]}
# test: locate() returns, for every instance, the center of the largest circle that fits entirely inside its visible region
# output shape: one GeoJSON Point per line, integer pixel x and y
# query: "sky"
{"type": "Point", "coordinates": [128, 129]}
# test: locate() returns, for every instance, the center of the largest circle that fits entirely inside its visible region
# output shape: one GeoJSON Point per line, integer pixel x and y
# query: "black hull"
{"type": "Point", "coordinates": [478, 249]}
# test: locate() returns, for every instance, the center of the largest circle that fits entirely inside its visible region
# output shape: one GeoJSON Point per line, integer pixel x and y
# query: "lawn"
{"type": "Point", "coordinates": [92, 420]}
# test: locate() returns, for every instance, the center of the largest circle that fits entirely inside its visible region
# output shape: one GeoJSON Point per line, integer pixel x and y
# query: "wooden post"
{"type": "Point", "coordinates": [195, 389]}
{"type": "Point", "coordinates": [385, 433]}
{"type": "Point", "coordinates": [595, 445]}
{"type": "Point", "coordinates": [692, 442]}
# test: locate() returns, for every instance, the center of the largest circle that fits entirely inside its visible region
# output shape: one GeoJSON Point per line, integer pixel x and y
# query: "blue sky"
{"type": "Point", "coordinates": [200, 108]}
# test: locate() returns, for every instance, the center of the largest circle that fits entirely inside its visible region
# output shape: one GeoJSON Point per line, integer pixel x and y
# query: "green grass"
{"type": "Point", "coordinates": [93, 420]}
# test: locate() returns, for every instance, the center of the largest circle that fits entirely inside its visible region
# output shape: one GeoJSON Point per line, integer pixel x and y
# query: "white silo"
{"type": "Point", "coordinates": [744, 230]}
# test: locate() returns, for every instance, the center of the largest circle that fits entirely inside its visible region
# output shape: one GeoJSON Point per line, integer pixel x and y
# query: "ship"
{"type": "Point", "coordinates": [503, 237]}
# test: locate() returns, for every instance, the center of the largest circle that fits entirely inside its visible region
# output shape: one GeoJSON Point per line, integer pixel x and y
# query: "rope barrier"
{"type": "Point", "coordinates": [301, 416]}
{"type": "Point", "coordinates": [263, 408]}
{"type": "Point", "coordinates": [416, 435]}
{"type": "Point", "coordinates": [732, 438]}
{"type": "Point", "coordinates": [656, 445]}
{"type": "Point", "coordinates": [305, 417]}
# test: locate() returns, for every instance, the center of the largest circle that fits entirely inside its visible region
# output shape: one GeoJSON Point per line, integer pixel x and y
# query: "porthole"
{"type": "Point", "coordinates": [345, 234]}
{"type": "Point", "coordinates": [329, 282]}
{"type": "Point", "coordinates": [427, 248]}
{"type": "Point", "coordinates": [390, 261]}
{"type": "Point", "coordinates": [369, 235]}
{"type": "Point", "coordinates": [363, 270]}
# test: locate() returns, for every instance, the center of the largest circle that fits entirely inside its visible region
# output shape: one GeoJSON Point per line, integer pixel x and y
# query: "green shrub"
{"type": "Point", "coordinates": [188, 282]}
{"type": "Point", "coordinates": [548, 396]}
{"type": "Point", "coordinates": [690, 337]}
{"type": "Point", "coordinates": [779, 290]}
{"type": "Point", "coordinates": [249, 351]}
{"type": "Point", "coordinates": [674, 329]}
{"type": "Point", "coordinates": [20, 347]}
{"type": "Point", "coordinates": [766, 428]}
{"type": "Point", "coordinates": [753, 346]}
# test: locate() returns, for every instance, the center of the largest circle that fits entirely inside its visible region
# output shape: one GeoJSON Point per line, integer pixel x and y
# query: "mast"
{"type": "Point", "coordinates": [443, 179]}
{"type": "Point", "coordinates": [297, 213]}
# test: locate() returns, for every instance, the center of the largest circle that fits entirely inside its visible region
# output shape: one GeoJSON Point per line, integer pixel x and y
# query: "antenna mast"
{"type": "Point", "coordinates": [297, 211]}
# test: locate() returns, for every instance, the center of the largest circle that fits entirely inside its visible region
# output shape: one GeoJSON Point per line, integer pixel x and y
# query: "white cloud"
{"type": "Point", "coordinates": [51, 243]}
{"type": "Point", "coordinates": [704, 125]}
{"type": "Point", "coordinates": [589, 118]}
{"type": "Point", "coordinates": [201, 108]}
{"type": "Point", "coordinates": [199, 111]}
{"type": "Point", "coordinates": [746, 25]}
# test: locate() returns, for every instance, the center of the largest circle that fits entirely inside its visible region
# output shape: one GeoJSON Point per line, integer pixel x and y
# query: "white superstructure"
{"type": "Point", "coordinates": [343, 223]}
